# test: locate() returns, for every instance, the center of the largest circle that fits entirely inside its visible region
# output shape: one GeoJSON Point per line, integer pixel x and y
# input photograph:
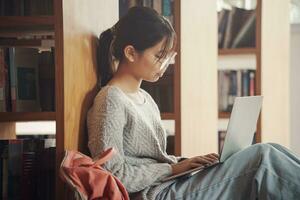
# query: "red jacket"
{"type": "Point", "coordinates": [88, 179]}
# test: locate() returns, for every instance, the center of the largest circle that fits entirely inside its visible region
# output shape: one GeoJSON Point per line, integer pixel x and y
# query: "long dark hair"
{"type": "Point", "coordinates": [141, 27]}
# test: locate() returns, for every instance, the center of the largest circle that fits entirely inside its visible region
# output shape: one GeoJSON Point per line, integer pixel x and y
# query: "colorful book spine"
{"type": "Point", "coordinates": [245, 83]}
{"type": "Point", "coordinates": [252, 83]}
{"type": "Point", "coordinates": [233, 83]}
{"type": "Point", "coordinates": [166, 7]}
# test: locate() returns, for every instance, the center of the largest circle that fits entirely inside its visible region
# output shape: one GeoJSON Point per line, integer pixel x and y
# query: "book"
{"type": "Point", "coordinates": [228, 31]}
{"type": "Point", "coordinates": [4, 87]}
{"type": "Point", "coordinates": [24, 79]}
{"type": "Point", "coordinates": [46, 80]}
{"type": "Point", "coordinates": [232, 89]}
{"type": "Point", "coordinates": [14, 169]}
{"type": "Point", "coordinates": [222, 23]}
{"type": "Point", "coordinates": [245, 83]}
{"type": "Point", "coordinates": [223, 89]}
{"type": "Point", "coordinates": [26, 7]}
{"type": "Point", "coordinates": [241, 17]}
{"type": "Point", "coordinates": [252, 83]}
{"type": "Point", "coordinates": [123, 7]}
{"type": "Point", "coordinates": [166, 8]}
{"type": "Point", "coordinates": [246, 35]}
{"type": "Point", "coordinates": [28, 175]}
{"type": "Point", "coordinates": [239, 83]}
{"type": "Point", "coordinates": [157, 5]}
{"type": "Point", "coordinates": [4, 167]}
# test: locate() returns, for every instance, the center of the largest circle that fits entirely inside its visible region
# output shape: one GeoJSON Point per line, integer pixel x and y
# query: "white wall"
{"type": "Point", "coordinates": [295, 88]}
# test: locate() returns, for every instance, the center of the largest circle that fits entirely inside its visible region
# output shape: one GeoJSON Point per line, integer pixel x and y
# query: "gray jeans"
{"type": "Point", "coordinates": [261, 171]}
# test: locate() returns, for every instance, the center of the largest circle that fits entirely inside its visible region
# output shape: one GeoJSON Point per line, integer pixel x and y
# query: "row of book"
{"type": "Point", "coordinates": [26, 7]}
{"type": "Point", "coordinates": [234, 83]}
{"type": "Point", "coordinates": [27, 169]}
{"type": "Point", "coordinates": [163, 7]}
{"type": "Point", "coordinates": [236, 28]}
{"type": "Point", "coordinates": [27, 80]}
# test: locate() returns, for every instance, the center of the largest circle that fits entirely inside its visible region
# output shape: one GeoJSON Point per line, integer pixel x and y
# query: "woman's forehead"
{"type": "Point", "coordinates": [160, 46]}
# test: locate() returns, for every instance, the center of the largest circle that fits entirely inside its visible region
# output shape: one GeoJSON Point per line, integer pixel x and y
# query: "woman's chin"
{"type": "Point", "coordinates": [153, 79]}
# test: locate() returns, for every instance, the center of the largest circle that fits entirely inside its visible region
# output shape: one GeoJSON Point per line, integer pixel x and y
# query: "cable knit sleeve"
{"type": "Point", "coordinates": [106, 122]}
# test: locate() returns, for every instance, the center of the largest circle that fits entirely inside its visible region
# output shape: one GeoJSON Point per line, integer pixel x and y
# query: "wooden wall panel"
{"type": "Point", "coordinates": [82, 24]}
{"type": "Point", "coordinates": [7, 130]}
{"type": "Point", "coordinates": [275, 71]}
{"type": "Point", "coordinates": [198, 77]}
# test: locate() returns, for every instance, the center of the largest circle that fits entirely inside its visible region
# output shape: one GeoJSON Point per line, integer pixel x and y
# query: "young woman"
{"type": "Point", "coordinates": [138, 48]}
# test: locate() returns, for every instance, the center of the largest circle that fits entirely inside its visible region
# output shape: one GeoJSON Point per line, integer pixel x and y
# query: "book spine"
{"type": "Point", "coordinates": [2, 81]}
{"type": "Point", "coordinates": [123, 7]}
{"type": "Point", "coordinates": [13, 84]}
{"type": "Point", "coordinates": [252, 83]}
{"type": "Point", "coordinates": [14, 169]}
{"type": "Point", "coordinates": [228, 32]}
{"type": "Point", "coordinates": [245, 83]}
{"type": "Point", "coordinates": [166, 8]}
{"type": "Point", "coordinates": [5, 174]}
{"type": "Point", "coordinates": [157, 6]}
{"type": "Point", "coordinates": [232, 90]}
{"type": "Point", "coordinates": [239, 83]}
{"type": "Point", "coordinates": [225, 85]}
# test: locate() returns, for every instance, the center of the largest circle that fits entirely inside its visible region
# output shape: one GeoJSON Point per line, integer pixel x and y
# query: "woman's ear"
{"type": "Point", "coordinates": [130, 53]}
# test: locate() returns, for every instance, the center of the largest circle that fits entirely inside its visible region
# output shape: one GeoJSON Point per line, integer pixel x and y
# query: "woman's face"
{"type": "Point", "coordinates": [148, 65]}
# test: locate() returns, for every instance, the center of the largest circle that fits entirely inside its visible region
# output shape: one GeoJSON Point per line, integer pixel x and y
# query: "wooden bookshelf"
{"type": "Point", "coordinates": [246, 51]}
{"type": "Point", "coordinates": [168, 116]}
{"type": "Point", "coordinates": [224, 115]}
{"type": "Point", "coordinates": [26, 116]}
{"type": "Point", "coordinates": [30, 43]}
{"type": "Point", "coordinates": [23, 21]}
{"type": "Point", "coordinates": [75, 85]}
{"type": "Point", "coordinates": [237, 51]}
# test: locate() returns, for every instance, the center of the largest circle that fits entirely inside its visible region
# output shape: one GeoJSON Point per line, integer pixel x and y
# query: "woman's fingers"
{"type": "Point", "coordinates": [204, 160]}
{"type": "Point", "coordinates": [213, 156]}
{"type": "Point", "coordinates": [194, 165]}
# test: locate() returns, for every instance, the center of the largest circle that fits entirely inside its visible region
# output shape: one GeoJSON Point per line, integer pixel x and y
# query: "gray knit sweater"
{"type": "Point", "coordinates": [135, 130]}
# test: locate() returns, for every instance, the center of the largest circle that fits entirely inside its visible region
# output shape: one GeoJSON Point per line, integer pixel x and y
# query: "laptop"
{"type": "Point", "coordinates": [240, 131]}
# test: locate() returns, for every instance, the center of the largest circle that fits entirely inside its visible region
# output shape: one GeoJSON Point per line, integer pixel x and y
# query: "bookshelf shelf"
{"type": "Point", "coordinates": [4, 42]}
{"type": "Point", "coordinates": [27, 116]}
{"type": "Point", "coordinates": [23, 21]}
{"type": "Point", "coordinates": [237, 51]}
{"type": "Point", "coordinates": [168, 116]}
{"type": "Point", "coordinates": [224, 115]}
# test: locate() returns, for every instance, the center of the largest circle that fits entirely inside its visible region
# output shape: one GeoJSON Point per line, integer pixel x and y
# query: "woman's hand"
{"type": "Point", "coordinates": [194, 162]}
